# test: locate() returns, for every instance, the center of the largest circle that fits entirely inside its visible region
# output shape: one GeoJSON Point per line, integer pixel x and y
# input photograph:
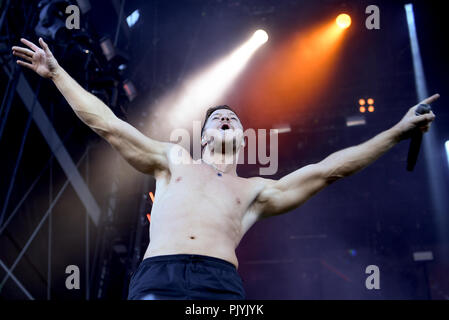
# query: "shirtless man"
{"type": "Point", "coordinates": [201, 211]}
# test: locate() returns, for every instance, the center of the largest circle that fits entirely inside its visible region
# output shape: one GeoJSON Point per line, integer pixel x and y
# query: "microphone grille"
{"type": "Point", "coordinates": [422, 109]}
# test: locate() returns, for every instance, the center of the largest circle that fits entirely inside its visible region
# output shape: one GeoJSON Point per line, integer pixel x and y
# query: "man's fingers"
{"type": "Point", "coordinates": [23, 56]}
{"type": "Point", "coordinates": [24, 64]}
{"type": "Point", "coordinates": [29, 44]}
{"type": "Point", "coordinates": [43, 45]}
{"type": "Point", "coordinates": [423, 119]}
{"type": "Point", "coordinates": [430, 99]}
{"type": "Point", "coordinates": [425, 116]}
{"type": "Point", "coordinates": [23, 50]}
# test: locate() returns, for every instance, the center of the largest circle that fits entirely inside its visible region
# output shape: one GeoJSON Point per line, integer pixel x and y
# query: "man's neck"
{"type": "Point", "coordinates": [225, 163]}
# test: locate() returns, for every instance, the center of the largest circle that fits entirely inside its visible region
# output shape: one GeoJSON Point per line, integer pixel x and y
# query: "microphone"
{"type": "Point", "coordinates": [415, 143]}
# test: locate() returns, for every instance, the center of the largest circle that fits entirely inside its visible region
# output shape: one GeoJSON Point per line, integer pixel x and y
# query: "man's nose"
{"type": "Point", "coordinates": [224, 118]}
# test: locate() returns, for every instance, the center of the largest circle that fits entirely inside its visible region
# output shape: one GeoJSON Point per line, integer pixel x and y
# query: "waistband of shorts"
{"type": "Point", "coordinates": [191, 258]}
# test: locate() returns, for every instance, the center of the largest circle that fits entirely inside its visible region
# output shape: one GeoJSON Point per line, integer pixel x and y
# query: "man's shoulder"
{"type": "Point", "coordinates": [178, 154]}
{"type": "Point", "coordinates": [260, 180]}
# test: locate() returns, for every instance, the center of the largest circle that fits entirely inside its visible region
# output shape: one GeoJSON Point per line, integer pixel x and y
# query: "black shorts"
{"type": "Point", "coordinates": [186, 277]}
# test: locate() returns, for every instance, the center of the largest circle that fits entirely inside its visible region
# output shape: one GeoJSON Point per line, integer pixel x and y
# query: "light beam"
{"type": "Point", "coordinates": [205, 89]}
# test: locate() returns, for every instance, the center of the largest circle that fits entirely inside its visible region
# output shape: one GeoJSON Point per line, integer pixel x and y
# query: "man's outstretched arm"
{"type": "Point", "coordinates": [280, 196]}
{"type": "Point", "coordinates": [145, 154]}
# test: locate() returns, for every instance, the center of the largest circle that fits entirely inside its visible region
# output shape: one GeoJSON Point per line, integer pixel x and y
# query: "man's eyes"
{"type": "Point", "coordinates": [233, 118]}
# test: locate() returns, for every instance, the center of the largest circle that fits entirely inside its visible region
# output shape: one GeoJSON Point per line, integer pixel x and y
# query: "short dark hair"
{"type": "Point", "coordinates": [212, 110]}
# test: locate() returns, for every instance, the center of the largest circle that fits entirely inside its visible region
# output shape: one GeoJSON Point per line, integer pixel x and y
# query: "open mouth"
{"type": "Point", "coordinates": [225, 127]}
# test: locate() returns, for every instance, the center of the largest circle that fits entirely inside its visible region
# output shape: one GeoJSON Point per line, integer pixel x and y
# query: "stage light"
{"type": "Point", "coordinates": [130, 89]}
{"type": "Point", "coordinates": [362, 102]}
{"type": "Point", "coordinates": [282, 128]}
{"type": "Point", "coordinates": [51, 24]}
{"type": "Point", "coordinates": [343, 21]}
{"type": "Point", "coordinates": [107, 48]}
{"type": "Point", "coordinates": [362, 109]}
{"type": "Point", "coordinates": [370, 101]}
{"type": "Point", "coordinates": [279, 78]}
{"type": "Point", "coordinates": [446, 145]}
{"type": "Point", "coordinates": [436, 180]}
{"type": "Point", "coordinates": [423, 256]}
{"type": "Point", "coordinates": [133, 18]}
{"type": "Point", "coordinates": [355, 121]}
{"type": "Point", "coordinates": [205, 88]}
{"type": "Point", "coordinates": [260, 36]}
{"type": "Point", "coordinates": [371, 108]}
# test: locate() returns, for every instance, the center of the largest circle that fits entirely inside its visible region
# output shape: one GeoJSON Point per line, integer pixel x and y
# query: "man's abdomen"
{"type": "Point", "coordinates": [193, 235]}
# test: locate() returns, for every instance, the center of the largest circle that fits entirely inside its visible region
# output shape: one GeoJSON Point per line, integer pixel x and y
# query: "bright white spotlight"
{"type": "Point", "coordinates": [260, 36]}
{"type": "Point", "coordinates": [207, 87]}
{"type": "Point", "coordinates": [343, 21]}
{"type": "Point", "coordinates": [446, 145]}
{"type": "Point", "coordinates": [133, 18]}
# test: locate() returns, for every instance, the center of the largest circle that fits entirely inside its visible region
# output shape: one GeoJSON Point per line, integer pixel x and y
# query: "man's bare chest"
{"type": "Point", "coordinates": [200, 184]}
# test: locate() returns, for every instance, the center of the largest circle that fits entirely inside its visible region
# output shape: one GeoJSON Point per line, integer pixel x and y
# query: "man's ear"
{"type": "Point", "coordinates": [203, 141]}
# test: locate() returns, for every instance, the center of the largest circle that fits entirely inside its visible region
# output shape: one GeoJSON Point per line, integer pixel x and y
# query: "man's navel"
{"type": "Point", "coordinates": [178, 179]}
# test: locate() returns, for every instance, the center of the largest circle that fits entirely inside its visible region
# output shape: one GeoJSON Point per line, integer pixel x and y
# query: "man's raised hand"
{"type": "Point", "coordinates": [40, 60]}
{"type": "Point", "coordinates": [411, 121]}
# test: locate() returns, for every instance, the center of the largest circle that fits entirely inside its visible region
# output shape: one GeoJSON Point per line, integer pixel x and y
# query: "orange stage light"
{"type": "Point", "coordinates": [371, 108]}
{"type": "Point", "coordinates": [291, 76]}
{"type": "Point", "coordinates": [370, 101]}
{"type": "Point", "coordinates": [343, 20]}
{"type": "Point", "coordinates": [362, 102]}
{"type": "Point", "coordinates": [151, 196]}
{"type": "Point", "coordinates": [362, 109]}
{"type": "Point", "coordinates": [149, 217]}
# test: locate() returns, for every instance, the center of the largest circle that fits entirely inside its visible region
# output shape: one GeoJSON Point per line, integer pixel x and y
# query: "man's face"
{"type": "Point", "coordinates": [223, 127]}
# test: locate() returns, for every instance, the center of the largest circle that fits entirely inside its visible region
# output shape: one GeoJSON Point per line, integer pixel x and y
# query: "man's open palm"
{"type": "Point", "coordinates": [40, 60]}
